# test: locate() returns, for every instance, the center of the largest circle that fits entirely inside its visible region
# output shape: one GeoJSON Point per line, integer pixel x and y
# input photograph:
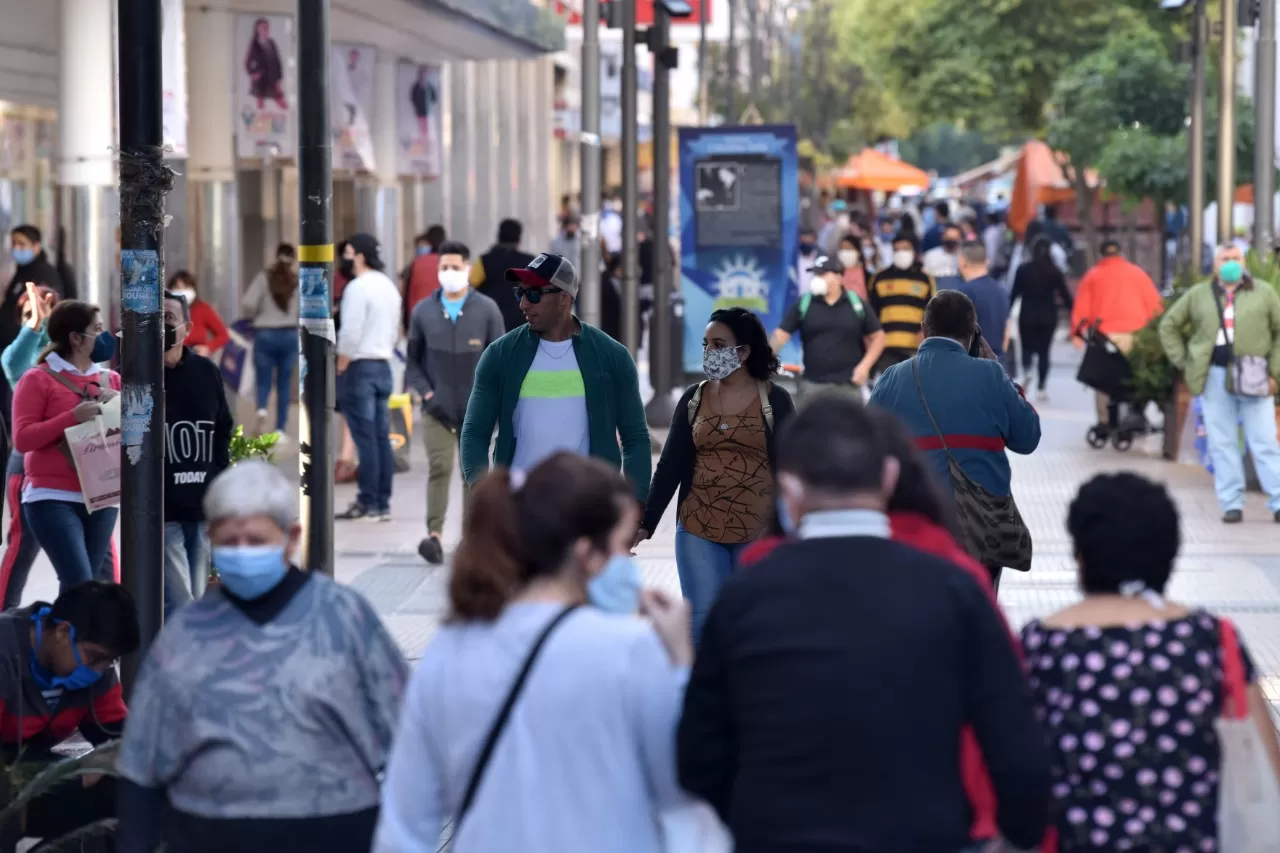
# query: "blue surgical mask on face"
{"type": "Point", "coordinates": [104, 347]}
{"type": "Point", "coordinates": [1231, 272]}
{"type": "Point", "coordinates": [424, 250]}
{"type": "Point", "coordinates": [251, 571]}
{"type": "Point", "coordinates": [80, 678]}
{"type": "Point", "coordinates": [617, 588]}
{"type": "Point", "coordinates": [22, 257]}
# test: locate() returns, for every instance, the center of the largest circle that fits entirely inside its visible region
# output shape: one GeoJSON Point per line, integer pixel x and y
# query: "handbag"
{"type": "Point", "coordinates": [991, 528]}
{"type": "Point", "coordinates": [1247, 375]}
{"type": "Point", "coordinates": [1248, 790]}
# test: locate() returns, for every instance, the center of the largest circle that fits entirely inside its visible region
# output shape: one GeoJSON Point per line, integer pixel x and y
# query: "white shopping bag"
{"type": "Point", "coordinates": [95, 453]}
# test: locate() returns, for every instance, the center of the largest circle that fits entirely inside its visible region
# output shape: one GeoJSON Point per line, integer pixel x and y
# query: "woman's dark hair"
{"type": "Point", "coordinates": [1124, 528]}
{"type": "Point", "coordinates": [102, 613]}
{"type": "Point", "coordinates": [1042, 252]}
{"type": "Point", "coordinates": [848, 237]}
{"type": "Point", "coordinates": [182, 277]}
{"type": "Point", "coordinates": [747, 330]}
{"type": "Point", "coordinates": [917, 490]}
{"type": "Point", "coordinates": [282, 281]}
{"type": "Point", "coordinates": [69, 317]}
{"type": "Point", "coordinates": [515, 532]}
{"type": "Point", "coordinates": [30, 232]}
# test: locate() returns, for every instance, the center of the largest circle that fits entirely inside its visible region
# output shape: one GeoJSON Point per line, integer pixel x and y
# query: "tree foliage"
{"type": "Point", "coordinates": [947, 149]}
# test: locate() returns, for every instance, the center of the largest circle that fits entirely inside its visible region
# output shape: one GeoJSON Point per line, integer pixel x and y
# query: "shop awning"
{"type": "Point", "coordinates": [1040, 180]}
{"type": "Point", "coordinates": [871, 170]}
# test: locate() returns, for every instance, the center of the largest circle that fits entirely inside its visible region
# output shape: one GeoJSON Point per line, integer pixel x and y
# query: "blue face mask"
{"type": "Point", "coordinates": [104, 347]}
{"type": "Point", "coordinates": [1231, 272]}
{"type": "Point", "coordinates": [80, 678]}
{"type": "Point", "coordinates": [250, 572]}
{"type": "Point", "coordinates": [22, 257]}
{"type": "Point", "coordinates": [617, 588]}
{"type": "Point", "coordinates": [424, 250]}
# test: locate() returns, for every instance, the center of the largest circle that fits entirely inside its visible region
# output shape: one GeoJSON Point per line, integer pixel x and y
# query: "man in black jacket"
{"type": "Point", "coordinates": [198, 425]}
{"type": "Point", "coordinates": [834, 678]}
{"type": "Point", "coordinates": [489, 276]}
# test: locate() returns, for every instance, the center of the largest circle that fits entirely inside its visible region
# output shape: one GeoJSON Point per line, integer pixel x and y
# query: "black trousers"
{"type": "Point", "coordinates": [1037, 340]}
{"type": "Point", "coordinates": [70, 806]}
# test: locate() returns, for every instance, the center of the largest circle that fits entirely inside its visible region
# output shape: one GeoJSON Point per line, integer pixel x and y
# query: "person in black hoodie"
{"type": "Point", "coordinates": [198, 426]}
{"type": "Point", "coordinates": [489, 276]}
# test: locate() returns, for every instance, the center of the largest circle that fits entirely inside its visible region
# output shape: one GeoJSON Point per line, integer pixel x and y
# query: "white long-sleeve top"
{"type": "Point", "coordinates": [370, 317]}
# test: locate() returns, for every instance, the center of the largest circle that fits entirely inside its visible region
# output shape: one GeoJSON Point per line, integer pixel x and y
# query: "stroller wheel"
{"type": "Point", "coordinates": [1096, 437]}
{"type": "Point", "coordinates": [1122, 441]}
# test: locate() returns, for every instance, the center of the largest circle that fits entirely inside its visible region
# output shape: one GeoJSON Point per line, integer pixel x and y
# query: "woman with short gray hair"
{"type": "Point", "coordinates": [263, 714]}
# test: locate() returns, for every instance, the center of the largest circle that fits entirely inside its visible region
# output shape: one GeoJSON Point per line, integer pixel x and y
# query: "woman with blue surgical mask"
{"type": "Point", "coordinates": [266, 709]}
{"type": "Point", "coordinates": [542, 715]}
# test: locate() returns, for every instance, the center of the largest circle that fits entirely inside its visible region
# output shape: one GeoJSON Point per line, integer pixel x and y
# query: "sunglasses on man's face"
{"type": "Point", "coordinates": [535, 294]}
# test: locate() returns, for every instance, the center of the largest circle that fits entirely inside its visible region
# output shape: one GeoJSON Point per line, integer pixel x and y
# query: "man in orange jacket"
{"type": "Point", "coordinates": [1120, 298]}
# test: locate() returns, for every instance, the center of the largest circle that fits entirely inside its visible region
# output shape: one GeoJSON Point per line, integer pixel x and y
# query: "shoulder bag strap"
{"type": "Point", "coordinates": [915, 372]}
{"type": "Point", "coordinates": [79, 392]}
{"type": "Point", "coordinates": [1222, 320]}
{"type": "Point", "coordinates": [696, 401]}
{"type": "Point", "coordinates": [765, 409]}
{"type": "Point", "coordinates": [500, 723]}
{"type": "Point", "coordinates": [1235, 691]}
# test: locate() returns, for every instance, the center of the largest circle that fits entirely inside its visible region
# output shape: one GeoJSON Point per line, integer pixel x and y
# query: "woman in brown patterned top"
{"type": "Point", "coordinates": [719, 454]}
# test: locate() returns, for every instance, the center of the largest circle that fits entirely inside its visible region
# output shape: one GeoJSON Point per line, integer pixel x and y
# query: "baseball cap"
{"type": "Point", "coordinates": [547, 271]}
{"type": "Point", "coordinates": [827, 263]}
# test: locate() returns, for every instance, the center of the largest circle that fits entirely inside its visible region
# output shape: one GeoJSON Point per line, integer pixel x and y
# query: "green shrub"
{"type": "Point", "coordinates": [253, 447]}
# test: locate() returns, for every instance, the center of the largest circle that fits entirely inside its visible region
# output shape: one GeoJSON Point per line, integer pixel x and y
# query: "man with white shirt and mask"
{"type": "Point", "coordinates": [448, 332]}
{"type": "Point", "coordinates": [366, 344]}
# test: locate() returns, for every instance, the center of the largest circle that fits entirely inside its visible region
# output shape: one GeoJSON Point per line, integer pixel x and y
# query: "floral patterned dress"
{"type": "Point", "coordinates": [1129, 711]}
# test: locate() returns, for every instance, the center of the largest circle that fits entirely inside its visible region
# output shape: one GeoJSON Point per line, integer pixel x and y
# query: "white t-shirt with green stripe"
{"type": "Point", "coordinates": [552, 412]}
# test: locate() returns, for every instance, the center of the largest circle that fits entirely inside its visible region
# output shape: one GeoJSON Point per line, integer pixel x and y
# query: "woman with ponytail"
{"type": "Point", "coordinates": [533, 722]}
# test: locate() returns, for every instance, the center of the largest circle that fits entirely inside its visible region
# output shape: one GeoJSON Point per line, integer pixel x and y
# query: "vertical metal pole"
{"type": "Point", "coordinates": [630, 177]}
{"type": "Point", "coordinates": [753, 52]}
{"type": "Point", "coordinates": [144, 180]}
{"type": "Point", "coordinates": [1199, 98]}
{"type": "Point", "coordinates": [1264, 165]}
{"type": "Point", "coordinates": [703, 83]}
{"type": "Point", "coordinates": [315, 281]}
{"type": "Point", "coordinates": [589, 230]}
{"type": "Point", "coordinates": [662, 335]}
{"type": "Point", "coordinates": [1227, 123]}
{"type": "Point", "coordinates": [731, 53]}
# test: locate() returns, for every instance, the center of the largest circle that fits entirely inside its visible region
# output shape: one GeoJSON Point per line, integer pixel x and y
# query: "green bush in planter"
{"type": "Point", "coordinates": [253, 447]}
{"type": "Point", "coordinates": [25, 781]}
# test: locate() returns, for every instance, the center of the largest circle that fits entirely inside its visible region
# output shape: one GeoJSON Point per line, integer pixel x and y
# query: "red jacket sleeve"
{"type": "Point", "coordinates": [31, 430]}
{"type": "Point", "coordinates": [105, 719]}
{"type": "Point", "coordinates": [216, 331]}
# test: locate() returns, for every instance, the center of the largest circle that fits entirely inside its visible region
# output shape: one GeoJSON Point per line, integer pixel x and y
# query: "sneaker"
{"type": "Point", "coordinates": [1042, 396]}
{"type": "Point", "coordinates": [356, 511]}
{"type": "Point", "coordinates": [263, 418]}
{"type": "Point", "coordinates": [431, 550]}
{"type": "Point", "coordinates": [282, 441]}
{"type": "Point", "coordinates": [382, 516]}
{"type": "Point", "coordinates": [1235, 516]}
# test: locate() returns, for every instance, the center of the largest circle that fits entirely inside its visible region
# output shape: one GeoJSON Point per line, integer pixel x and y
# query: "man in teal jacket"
{"type": "Point", "coordinates": [555, 384]}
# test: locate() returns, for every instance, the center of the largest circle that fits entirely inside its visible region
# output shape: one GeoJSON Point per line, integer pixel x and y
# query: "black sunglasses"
{"type": "Point", "coordinates": [534, 294]}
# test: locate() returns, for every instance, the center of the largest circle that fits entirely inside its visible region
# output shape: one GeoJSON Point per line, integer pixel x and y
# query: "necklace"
{"type": "Point", "coordinates": [721, 414]}
{"type": "Point", "coordinates": [545, 346]}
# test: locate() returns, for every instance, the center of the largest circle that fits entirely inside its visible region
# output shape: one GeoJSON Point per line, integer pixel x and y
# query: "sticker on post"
{"type": "Point", "coordinates": [321, 328]}
{"type": "Point", "coordinates": [135, 422]}
{"type": "Point", "coordinates": [140, 281]}
{"type": "Point", "coordinates": [313, 287]}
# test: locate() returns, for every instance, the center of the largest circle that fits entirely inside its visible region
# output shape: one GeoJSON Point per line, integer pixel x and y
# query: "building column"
{"type": "Point", "coordinates": [486, 147]}
{"type": "Point", "coordinates": [461, 161]}
{"type": "Point", "coordinates": [378, 200]}
{"type": "Point", "coordinates": [214, 201]}
{"type": "Point", "coordinates": [89, 195]}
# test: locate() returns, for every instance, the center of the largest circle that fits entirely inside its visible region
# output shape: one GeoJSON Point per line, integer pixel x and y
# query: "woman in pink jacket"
{"type": "Point", "coordinates": [65, 388]}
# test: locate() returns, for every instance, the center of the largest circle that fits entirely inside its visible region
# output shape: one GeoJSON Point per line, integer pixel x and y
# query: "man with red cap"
{"type": "Point", "coordinates": [555, 384]}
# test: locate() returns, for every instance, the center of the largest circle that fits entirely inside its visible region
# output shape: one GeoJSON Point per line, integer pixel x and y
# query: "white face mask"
{"type": "Point", "coordinates": [454, 281]}
{"type": "Point", "coordinates": [818, 286]}
{"type": "Point", "coordinates": [869, 252]}
{"type": "Point", "coordinates": [903, 258]}
{"type": "Point", "coordinates": [848, 257]}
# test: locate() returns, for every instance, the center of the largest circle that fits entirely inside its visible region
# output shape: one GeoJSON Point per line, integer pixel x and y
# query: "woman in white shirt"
{"type": "Point", "coordinates": [585, 760]}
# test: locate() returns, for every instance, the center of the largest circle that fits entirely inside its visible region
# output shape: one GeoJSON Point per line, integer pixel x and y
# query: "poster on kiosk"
{"type": "Point", "coordinates": [739, 227]}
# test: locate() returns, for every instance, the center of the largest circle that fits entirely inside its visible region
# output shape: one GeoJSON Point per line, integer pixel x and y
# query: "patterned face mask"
{"type": "Point", "coordinates": [719, 363]}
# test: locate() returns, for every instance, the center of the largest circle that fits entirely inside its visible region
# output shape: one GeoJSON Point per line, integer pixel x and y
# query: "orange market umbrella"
{"type": "Point", "coordinates": [871, 170]}
{"type": "Point", "coordinates": [1039, 180]}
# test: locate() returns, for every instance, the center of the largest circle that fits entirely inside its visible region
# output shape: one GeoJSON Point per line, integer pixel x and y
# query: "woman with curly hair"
{"type": "Point", "coordinates": [719, 455]}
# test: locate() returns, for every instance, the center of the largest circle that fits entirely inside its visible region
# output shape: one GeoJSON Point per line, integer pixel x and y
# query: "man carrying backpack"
{"type": "Point", "coordinates": [842, 339]}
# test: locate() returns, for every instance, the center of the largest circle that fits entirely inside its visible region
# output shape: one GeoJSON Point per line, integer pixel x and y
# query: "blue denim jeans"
{"type": "Point", "coordinates": [703, 567]}
{"type": "Point", "coordinates": [363, 393]}
{"type": "Point", "coordinates": [275, 352]}
{"type": "Point", "coordinates": [1224, 414]}
{"type": "Point", "coordinates": [76, 540]}
{"type": "Point", "coordinates": [186, 569]}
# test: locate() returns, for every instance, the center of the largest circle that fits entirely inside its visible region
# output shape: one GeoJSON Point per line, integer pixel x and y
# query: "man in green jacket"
{"type": "Point", "coordinates": [555, 384]}
{"type": "Point", "coordinates": [1224, 336]}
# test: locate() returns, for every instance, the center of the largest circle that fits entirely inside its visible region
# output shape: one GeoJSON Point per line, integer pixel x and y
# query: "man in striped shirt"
{"type": "Point", "coordinates": [898, 295]}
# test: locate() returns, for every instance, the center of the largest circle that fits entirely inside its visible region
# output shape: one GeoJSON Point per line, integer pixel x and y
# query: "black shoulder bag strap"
{"type": "Point", "coordinates": [915, 372]}
{"type": "Point", "coordinates": [500, 723]}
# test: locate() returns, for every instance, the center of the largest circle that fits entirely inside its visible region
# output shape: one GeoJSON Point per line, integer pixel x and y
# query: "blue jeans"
{"type": "Point", "coordinates": [275, 352]}
{"type": "Point", "coordinates": [1224, 413]}
{"type": "Point", "coordinates": [363, 392]}
{"type": "Point", "coordinates": [76, 540]}
{"type": "Point", "coordinates": [186, 570]}
{"type": "Point", "coordinates": [703, 566]}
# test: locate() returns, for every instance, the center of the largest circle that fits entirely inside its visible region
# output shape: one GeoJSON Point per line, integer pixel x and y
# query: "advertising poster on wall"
{"type": "Point", "coordinates": [264, 81]}
{"type": "Point", "coordinates": [418, 103]}
{"type": "Point", "coordinates": [739, 220]}
{"type": "Point", "coordinates": [351, 105]}
{"type": "Point", "coordinates": [173, 71]}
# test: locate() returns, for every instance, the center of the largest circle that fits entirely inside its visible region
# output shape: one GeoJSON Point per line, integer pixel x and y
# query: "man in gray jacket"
{"type": "Point", "coordinates": [447, 333]}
